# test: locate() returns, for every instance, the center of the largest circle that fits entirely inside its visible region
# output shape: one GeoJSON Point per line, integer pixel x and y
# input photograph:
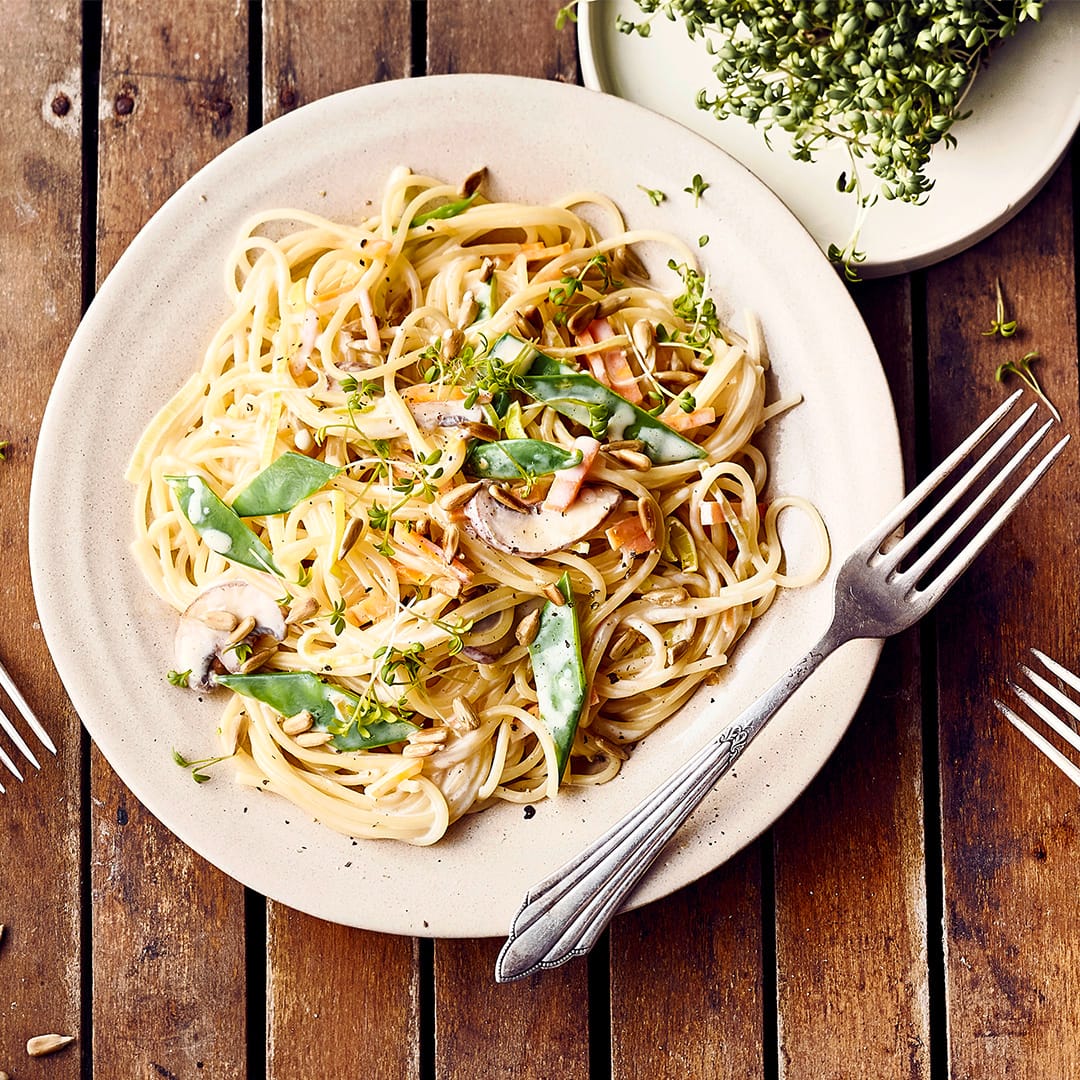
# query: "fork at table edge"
{"type": "Point", "coordinates": [564, 915]}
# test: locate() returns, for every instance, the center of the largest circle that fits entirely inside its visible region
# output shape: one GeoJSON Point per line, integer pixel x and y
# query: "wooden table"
{"type": "Point", "coordinates": [913, 915]}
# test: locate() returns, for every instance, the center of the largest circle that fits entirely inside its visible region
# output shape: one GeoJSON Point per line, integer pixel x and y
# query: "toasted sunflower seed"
{"type": "Point", "coordinates": [633, 459]}
{"type": "Point", "coordinates": [311, 739]}
{"type": "Point", "coordinates": [463, 717]}
{"type": "Point", "coordinates": [432, 736]}
{"type": "Point", "coordinates": [643, 335]}
{"type": "Point", "coordinates": [459, 496]}
{"type": "Point", "coordinates": [666, 597]}
{"type": "Point", "coordinates": [40, 1045]}
{"type": "Point", "coordinates": [451, 542]}
{"type": "Point", "coordinates": [220, 620]}
{"type": "Point", "coordinates": [349, 537]}
{"type": "Point", "coordinates": [527, 629]}
{"type": "Point", "coordinates": [554, 594]}
{"type": "Point", "coordinates": [624, 444]}
{"type": "Point", "coordinates": [501, 493]}
{"type": "Point", "coordinates": [418, 749]}
{"type": "Point", "coordinates": [471, 184]}
{"type": "Point", "coordinates": [611, 303]}
{"type": "Point", "coordinates": [241, 631]}
{"type": "Point", "coordinates": [466, 313]}
{"type": "Point", "coordinates": [298, 724]}
{"type": "Point", "coordinates": [648, 514]}
{"type": "Point", "coordinates": [583, 316]}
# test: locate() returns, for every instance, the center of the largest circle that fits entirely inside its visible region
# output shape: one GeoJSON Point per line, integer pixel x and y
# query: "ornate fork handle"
{"type": "Point", "coordinates": [563, 915]}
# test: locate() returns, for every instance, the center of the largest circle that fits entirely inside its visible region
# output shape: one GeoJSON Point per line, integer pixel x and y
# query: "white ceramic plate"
{"type": "Point", "coordinates": [1025, 108]}
{"type": "Point", "coordinates": [111, 637]}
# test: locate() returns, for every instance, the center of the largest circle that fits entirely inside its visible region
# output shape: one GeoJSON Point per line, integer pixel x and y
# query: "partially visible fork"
{"type": "Point", "coordinates": [12, 731]}
{"type": "Point", "coordinates": [886, 585]}
{"type": "Point", "coordinates": [1052, 721]}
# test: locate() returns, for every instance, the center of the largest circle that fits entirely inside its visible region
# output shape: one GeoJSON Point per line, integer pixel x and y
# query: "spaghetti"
{"type": "Point", "coordinates": [459, 505]}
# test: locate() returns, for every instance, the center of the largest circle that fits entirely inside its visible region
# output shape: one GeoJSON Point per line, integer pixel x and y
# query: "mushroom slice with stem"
{"type": "Point", "coordinates": [532, 531]}
{"type": "Point", "coordinates": [220, 619]}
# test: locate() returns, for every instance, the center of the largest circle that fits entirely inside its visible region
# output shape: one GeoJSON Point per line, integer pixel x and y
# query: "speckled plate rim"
{"type": "Point", "coordinates": [110, 636]}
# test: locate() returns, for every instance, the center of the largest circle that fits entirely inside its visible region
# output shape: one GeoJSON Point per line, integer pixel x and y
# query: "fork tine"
{"type": "Point", "coordinates": [921, 565]}
{"type": "Point", "coordinates": [1062, 672]}
{"type": "Point", "coordinates": [903, 509]}
{"type": "Point", "coordinates": [1047, 717]}
{"type": "Point", "coordinates": [1055, 695]}
{"type": "Point", "coordinates": [1051, 751]}
{"type": "Point", "coordinates": [10, 766]}
{"type": "Point", "coordinates": [13, 692]}
{"type": "Point", "coordinates": [17, 739]}
{"type": "Point", "coordinates": [934, 514]}
{"type": "Point", "coordinates": [933, 592]}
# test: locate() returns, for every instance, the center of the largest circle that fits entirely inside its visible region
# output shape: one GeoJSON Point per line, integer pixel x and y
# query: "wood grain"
{"type": "Point", "coordinates": [40, 252]}
{"type": "Point", "coordinates": [168, 929]}
{"type": "Point", "coordinates": [537, 1028]}
{"type": "Point", "coordinates": [310, 48]}
{"type": "Point", "coordinates": [511, 37]}
{"type": "Point", "coordinates": [849, 855]}
{"type": "Point", "coordinates": [686, 980]}
{"type": "Point", "coordinates": [313, 967]}
{"type": "Point", "coordinates": [1010, 828]}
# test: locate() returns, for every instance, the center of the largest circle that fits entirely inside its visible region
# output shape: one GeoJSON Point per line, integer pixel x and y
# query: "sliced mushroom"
{"type": "Point", "coordinates": [221, 618]}
{"type": "Point", "coordinates": [533, 530]}
{"type": "Point", "coordinates": [433, 415]}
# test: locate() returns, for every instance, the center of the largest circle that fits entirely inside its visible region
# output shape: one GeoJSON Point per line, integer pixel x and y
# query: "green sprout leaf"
{"type": "Point", "coordinates": [1022, 370]}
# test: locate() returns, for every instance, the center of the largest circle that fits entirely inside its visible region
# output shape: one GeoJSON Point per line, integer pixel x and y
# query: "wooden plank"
{"type": "Point", "coordinates": [40, 250]}
{"type": "Point", "coordinates": [310, 50]}
{"type": "Point", "coordinates": [686, 986]}
{"type": "Point", "coordinates": [1011, 846]}
{"type": "Point", "coordinates": [476, 36]}
{"type": "Point", "coordinates": [536, 1028]}
{"type": "Point", "coordinates": [168, 929]}
{"type": "Point", "coordinates": [849, 856]}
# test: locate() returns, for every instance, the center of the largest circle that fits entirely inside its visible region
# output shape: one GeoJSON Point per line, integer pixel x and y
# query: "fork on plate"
{"type": "Point", "coordinates": [1052, 721]}
{"type": "Point", "coordinates": [20, 703]}
{"type": "Point", "coordinates": [886, 585]}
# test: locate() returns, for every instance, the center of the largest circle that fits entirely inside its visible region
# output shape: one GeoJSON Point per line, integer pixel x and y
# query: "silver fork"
{"type": "Point", "coordinates": [1044, 714]}
{"type": "Point", "coordinates": [876, 594]}
{"type": "Point", "coordinates": [12, 731]}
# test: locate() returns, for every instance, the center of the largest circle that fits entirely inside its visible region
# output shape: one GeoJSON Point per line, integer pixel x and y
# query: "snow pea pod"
{"type": "Point", "coordinates": [588, 401]}
{"type": "Point", "coordinates": [447, 210]}
{"type": "Point", "coordinates": [282, 484]}
{"type": "Point", "coordinates": [515, 459]}
{"type": "Point", "coordinates": [559, 671]}
{"type": "Point", "coordinates": [219, 525]}
{"type": "Point", "coordinates": [356, 723]}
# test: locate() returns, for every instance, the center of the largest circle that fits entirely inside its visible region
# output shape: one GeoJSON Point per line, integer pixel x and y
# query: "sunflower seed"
{"type": "Point", "coordinates": [312, 739]}
{"type": "Point", "coordinates": [241, 631]}
{"type": "Point", "coordinates": [220, 620]}
{"type": "Point", "coordinates": [633, 459]}
{"type": "Point", "coordinates": [554, 594]}
{"type": "Point", "coordinates": [298, 724]}
{"type": "Point", "coordinates": [459, 496]}
{"type": "Point", "coordinates": [528, 627]}
{"type": "Point", "coordinates": [349, 537]}
{"type": "Point", "coordinates": [463, 717]}
{"type": "Point", "coordinates": [40, 1045]}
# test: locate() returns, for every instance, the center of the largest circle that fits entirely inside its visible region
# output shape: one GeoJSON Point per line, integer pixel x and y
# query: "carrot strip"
{"type": "Point", "coordinates": [628, 535]}
{"type": "Point", "coordinates": [567, 482]}
{"type": "Point", "coordinates": [678, 420]}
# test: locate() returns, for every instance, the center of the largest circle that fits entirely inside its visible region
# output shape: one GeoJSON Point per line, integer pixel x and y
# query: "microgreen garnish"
{"type": "Point", "coordinates": [656, 196]}
{"type": "Point", "coordinates": [241, 650]}
{"type": "Point", "coordinates": [337, 616]}
{"type": "Point", "coordinates": [695, 307]}
{"type": "Point", "coordinates": [196, 767]}
{"type": "Point", "coordinates": [1022, 370]}
{"type": "Point", "coordinates": [179, 678]}
{"type": "Point", "coordinates": [4, 444]}
{"type": "Point", "coordinates": [886, 80]}
{"type": "Point", "coordinates": [999, 325]}
{"type": "Point", "coordinates": [697, 187]}
{"type": "Point", "coordinates": [567, 13]}
{"type": "Point", "coordinates": [702, 240]}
